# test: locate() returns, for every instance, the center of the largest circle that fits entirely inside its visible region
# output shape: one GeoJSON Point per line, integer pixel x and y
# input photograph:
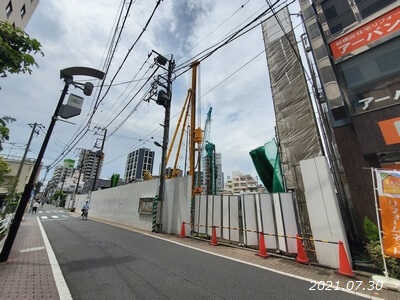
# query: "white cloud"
{"type": "Point", "coordinates": [76, 34]}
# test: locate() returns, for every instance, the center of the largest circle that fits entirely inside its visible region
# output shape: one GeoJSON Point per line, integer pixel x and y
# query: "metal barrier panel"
{"type": "Point", "coordinates": [286, 222]}
{"type": "Point", "coordinates": [200, 214]}
{"type": "Point", "coordinates": [267, 220]}
{"type": "Point", "coordinates": [216, 208]}
{"type": "Point", "coordinates": [323, 209]}
{"type": "Point", "coordinates": [230, 218]}
{"type": "Point", "coordinates": [249, 219]}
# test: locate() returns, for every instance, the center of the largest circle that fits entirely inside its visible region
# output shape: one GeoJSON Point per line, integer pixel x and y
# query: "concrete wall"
{"type": "Point", "coordinates": [121, 204]}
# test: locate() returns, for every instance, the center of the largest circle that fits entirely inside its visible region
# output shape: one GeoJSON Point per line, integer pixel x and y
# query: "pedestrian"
{"type": "Point", "coordinates": [34, 207]}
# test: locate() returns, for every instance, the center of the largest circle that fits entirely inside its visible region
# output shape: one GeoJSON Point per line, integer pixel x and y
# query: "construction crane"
{"type": "Point", "coordinates": [195, 135]}
{"type": "Point", "coordinates": [147, 175]}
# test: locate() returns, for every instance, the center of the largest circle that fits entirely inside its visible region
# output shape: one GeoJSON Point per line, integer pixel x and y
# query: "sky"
{"type": "Point", "coordinates": [233, 80]}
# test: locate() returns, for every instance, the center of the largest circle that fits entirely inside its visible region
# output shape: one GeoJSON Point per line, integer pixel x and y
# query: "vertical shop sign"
{"type": "Point", "coordinates": [388, 187]}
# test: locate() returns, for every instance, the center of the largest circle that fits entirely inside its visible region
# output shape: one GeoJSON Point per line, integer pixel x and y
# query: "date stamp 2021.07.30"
{"type": "Point", "coordinates": [351, 285]}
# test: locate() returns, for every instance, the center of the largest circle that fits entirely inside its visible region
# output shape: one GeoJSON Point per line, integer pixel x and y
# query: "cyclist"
{"type": "Point", "coordinates": [85, 210]}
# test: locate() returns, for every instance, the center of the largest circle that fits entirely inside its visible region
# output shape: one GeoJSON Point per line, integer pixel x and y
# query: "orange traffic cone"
{"type": "Point", "coordinates": [183, 231]}
{"type": "Point", "coordinates": [344, 264]}
{"type": "Point", "coordinates": [214, 241]}
{"type": "Point", "coordinates": [262, 251]}
{"type": "Point", "coordinates": [301, 253]}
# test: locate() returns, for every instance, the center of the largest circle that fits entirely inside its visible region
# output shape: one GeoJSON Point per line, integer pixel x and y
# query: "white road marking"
{"type": "Point", "coordinates": [32, 249]}
{"type": "Point", "coordinates": [55, 217]}
{"type": "Point", "coordinates": [62, 287]}
{"type": "Point", "coordinates": [45, 217]}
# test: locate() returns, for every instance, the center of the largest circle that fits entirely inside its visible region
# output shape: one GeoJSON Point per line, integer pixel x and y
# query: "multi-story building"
{"type": "Point", "coordinates": [241, 183]}
{"type": "Point", "coordinates": [137, 163]}
{"type": "Point", "coordinates": [220, 174]}
{"type": "Point", "coordinates": [25, 173]}
{"type": "Point", "coordinates": [17, 12]}
{"type": "Point", "coordinates": [88, 164]}
{"type": "Point", "coordinates": [62, 172]}
{"type": "Point", "coordinates": [356, 48]}
{"type": "Point", "coordinates": [217, 172]}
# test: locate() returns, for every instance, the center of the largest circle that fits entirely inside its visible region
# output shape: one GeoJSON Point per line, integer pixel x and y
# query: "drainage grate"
{"type": "Point", "coordinates": [99, 243]}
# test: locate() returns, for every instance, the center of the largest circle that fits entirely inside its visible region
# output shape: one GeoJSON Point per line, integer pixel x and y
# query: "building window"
{"type": "Point", "coordinates": [9, 9]}
{"type": "Point", "coordinates": [371, 79]}
{"type": "Point", "coordinates": [338, 15]}
{"type": "Point", "coordinates": [370, 7]}
{"type": "Point", "coordinates": [23, 11]}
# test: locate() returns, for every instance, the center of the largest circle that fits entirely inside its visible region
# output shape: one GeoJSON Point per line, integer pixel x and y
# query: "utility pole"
{"type": "Point", "coordinates": [80, 166]}
{"type": "Point", "coordinates": [21, 165]}
{"type": "Point", "coordinates": [164, 98]}
{"type": "Point", "coordinates": [99, 155]}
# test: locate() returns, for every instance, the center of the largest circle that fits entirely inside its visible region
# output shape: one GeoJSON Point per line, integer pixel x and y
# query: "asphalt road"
{"type": "Point", "coordinates": [100, 261]}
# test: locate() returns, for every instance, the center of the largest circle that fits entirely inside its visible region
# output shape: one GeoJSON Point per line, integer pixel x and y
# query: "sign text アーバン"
{"type": "Point", "coordinates": [370, 32]}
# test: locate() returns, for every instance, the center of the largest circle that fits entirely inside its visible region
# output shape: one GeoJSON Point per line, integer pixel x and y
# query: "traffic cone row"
{"type": "Point", "coordinates": [344, 264]}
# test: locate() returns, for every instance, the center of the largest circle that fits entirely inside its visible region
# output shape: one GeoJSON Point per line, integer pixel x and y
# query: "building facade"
{"type": "Point", "coordinates": [356, 47]}
{"type": "Point", "coordinates": [17, 12]}
{"type": "Point", "coordinates": [88, 164]}
{"type": "Point", "coordinates": [62, 172]}
{"type": "Point", "coordinates": [220, 174]}
{"type": "Point", "coordinates": [15, 165]}
{"type": "Point", "coordinates": [137, 163]}
{"type": "Point", "coordinates": [241, 183]}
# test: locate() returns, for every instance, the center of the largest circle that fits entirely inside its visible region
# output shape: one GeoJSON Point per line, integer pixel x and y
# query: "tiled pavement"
{"type": "Point", "coordinates": [29, 271]}
{"type": "Point", "coordinates": [28, 274]}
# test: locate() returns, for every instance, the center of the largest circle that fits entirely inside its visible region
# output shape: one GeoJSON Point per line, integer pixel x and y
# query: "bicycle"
{"type": "Point", "coordinates": [84, 214]}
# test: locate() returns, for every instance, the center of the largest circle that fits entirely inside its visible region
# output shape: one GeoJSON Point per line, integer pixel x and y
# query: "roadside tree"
{"type": "Point", "coordinates": [17, 49]}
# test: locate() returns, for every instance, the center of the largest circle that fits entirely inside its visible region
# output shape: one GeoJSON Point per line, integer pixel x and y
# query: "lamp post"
{"type": "Point", "coordinates": [66, 74]}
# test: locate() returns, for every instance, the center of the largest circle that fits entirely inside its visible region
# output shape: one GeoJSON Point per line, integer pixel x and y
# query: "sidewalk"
{"type": "Point", "coordinates": [28, 274]}
{"type": "Point", "coordinates": [29, 271]}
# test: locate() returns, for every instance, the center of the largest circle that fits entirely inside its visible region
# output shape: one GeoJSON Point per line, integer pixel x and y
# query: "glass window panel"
{"type": "Point", "coordinates": [373, 74]}
{"type": "Point", "coordinates": [369, 7]}
{"type": "Point", "coordinates": [338, 14]}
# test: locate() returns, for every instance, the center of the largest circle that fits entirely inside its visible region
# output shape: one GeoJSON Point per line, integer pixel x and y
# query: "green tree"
{"type": "Point", "coordinates": [16, 49]}
{"type": "Point", "coordinates": [4, 169]}
{"type": "Point", "coordinates": [4, 130]}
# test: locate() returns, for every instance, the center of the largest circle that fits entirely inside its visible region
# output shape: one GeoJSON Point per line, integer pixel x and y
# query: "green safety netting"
{"type": "Point", "coordinates": [114, 180]}
{"type": "Point", "coordinates": [268, 166]}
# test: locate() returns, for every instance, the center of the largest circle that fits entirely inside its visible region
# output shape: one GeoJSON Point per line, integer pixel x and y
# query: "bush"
{"type": "Point", "coordinates": [11, 208]}
{"type": "Point", "coordinates": [375, 251]}
{"type": "Point", "coordinates": [62, 203]}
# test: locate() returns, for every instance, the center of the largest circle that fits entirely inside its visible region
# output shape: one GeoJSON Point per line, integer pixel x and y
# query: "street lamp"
{"type": "Point", "coordinates": [66, 74]}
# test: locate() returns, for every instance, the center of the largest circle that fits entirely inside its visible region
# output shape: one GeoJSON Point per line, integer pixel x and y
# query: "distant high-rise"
{"type": "Point", "coordinates": [137, 163]}
{"type": "Point", "coordinates": [62, 172]}
{"type": "Point", "coordinates": [88, 163]}
{"type": "Point", "coordinates": [220, 174]}
{"type": "Point", "coordinates": [217, 172]}
{"type": "Point", "coordinates": [17, 12]}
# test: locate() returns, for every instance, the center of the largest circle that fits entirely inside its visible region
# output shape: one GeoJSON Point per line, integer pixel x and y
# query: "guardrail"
{"type": "Point", "coordinates": [5, 223]}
